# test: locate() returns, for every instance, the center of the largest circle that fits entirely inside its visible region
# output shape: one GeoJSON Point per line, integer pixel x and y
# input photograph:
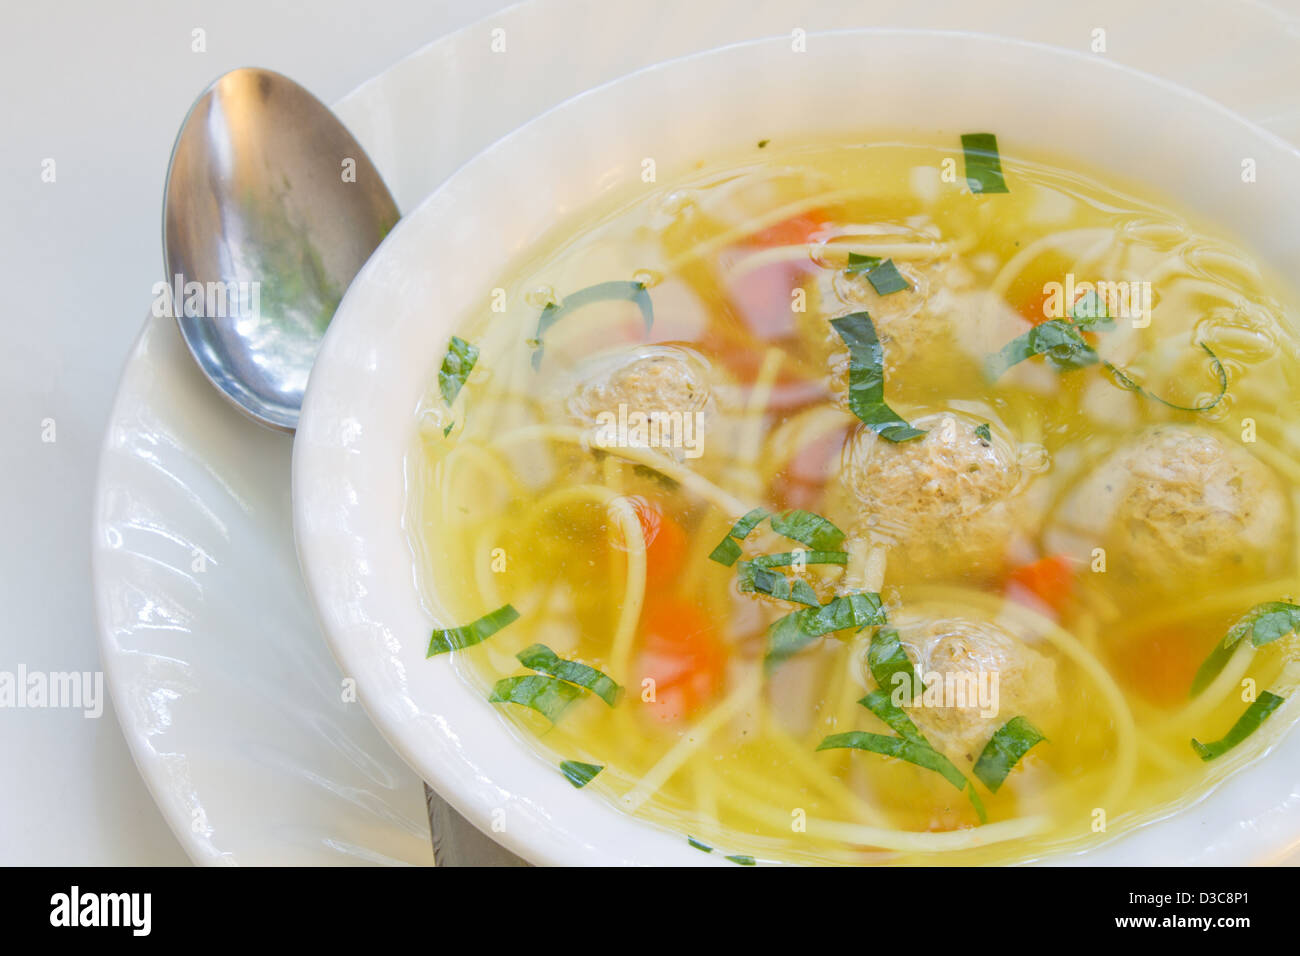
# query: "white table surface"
{"type": "Point", "coordinates": [101, 88]}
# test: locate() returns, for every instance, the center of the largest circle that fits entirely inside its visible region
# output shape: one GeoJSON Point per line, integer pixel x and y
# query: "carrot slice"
{"type": "Point", "coordinates": [1049, 580]}
{"type": "Point", "coordinates": [788, 232]}
{"type": "Point", "coordinates": [684, 654]}
{"type": "Point", "coordinates": [665, 543]}
{"type": "Point", "coordinates": [1161, 665]}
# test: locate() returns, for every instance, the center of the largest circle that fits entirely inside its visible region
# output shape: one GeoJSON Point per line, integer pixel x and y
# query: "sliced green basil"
{"type": "Point", "coordinates": [890, 665]}
{"type": "Point", "coordinates": [790, 634]}
{"type": "Point", "coordinates": [910, 745]}
{"type": "Point", "coordinates": [549, 696]}
{"type": "Point", "coordinates": [456, 638]}
{"type": "Point", "coordinates": [1057, 340]}
{"type": "Point", "coordinates": [788, 558]}
{"type": "Point", "coordinates": [753, 579]}
{"type": "Point", "coordinates": [728, 549]}
{"type": "Point", "coordinates": [1123, 380]}
{"type": "Point", "coordinates": [913, 751]}
{"type": "Point", "coordinates": [578, 773]}
{"type": "Point", "coordinates": [867, 379]}
{"type": "Point", "coordinates": [859, 263]}
{"type": "Point", "coordinates": [886, 279]}
{"type": "Point", "coordinates": [880, 702]}
{"type": "Point", "coordinates": [1090, 315]}
{"type": "Point", "coordinates": [1262, 624]}
{"type": "Point", "coordinates": [456, 366]}
{"type": "Point", "coordinates": [983, 163]}
{"type": "Point", "coordinates": [601, 292]}
{"type": "Point", "coordinates": [882, 274]}
{"type": "Point", "coordinates": [1009, 743]}
{"type": "Point", "coordinates": [1247, 724]}
{"type": "Point", "coordinates": [808, 528]}
{"type": "Point", "coordinates": [541, 658]}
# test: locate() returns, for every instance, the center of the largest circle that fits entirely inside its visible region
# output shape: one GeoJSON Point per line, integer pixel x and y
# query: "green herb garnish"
{"type": "Point", "coordinates": [808, 528]}
{"type": "Point", "coordinates": [1004, 750]}
{"type": "Point", "coordinates": [983, 432]}
{"type": "Point", "coordinates": [1212, 666]}
{"type": "Point", "coordinates": [786, 558]}
{"type": "Point", "coordinates": [705, 848]}
{"type": "Point", "coordinates": [541, 658]}
{"type": "Point", "coordinates": [886, 279]}
{"type": "Point", "coordinates": [1125, 382]}
{"type": "Point", "coordinates": [728, 549]}
{"type": "Point", "coordinates": [859, 263]}
{"type": "Point", "coordinates": [1089, 313]}
{"type": "Point", "coordinates": [655, 475]}
{"type": "Point", "coordinates": [1061, 342]}
{"type": "Point", "coordinates": [909, 745]}
{"type": "Point", "coordinates": [887, 660]}
{"type": "Point", "coordinates": [983, 164]}
{"type": "Point", "coordinates": [456, 366]}
{"type": "Point", "coordinates": [578, 773]}
{"type": "Point", "coordinates": [916, 752]}
{"type": "Point", "coordinates": [1246, 725]}
{"type": "Point", "coordinates": [456, 638]}
{"type": "Point", "coordinates": [753, 579]}
{"type": "Point", "coordinates": [601, 292]}
{"type": "Point", "coordinates": [549, 696]}
{"type": "Point", "coordinates": [1263, 624]}
{"type": "Point", "coordinates": [1057, 340]}
{"type": "Point", "coordinates": [880, 703]}
{"type": "Point", "coordinates": [802, 526]}
{"type": "Point", "coordinates": [881, 273]}
{"type": "Point", "coordinates": [790, 634]}
{"type": "Point", "coordinates": [867, 378]}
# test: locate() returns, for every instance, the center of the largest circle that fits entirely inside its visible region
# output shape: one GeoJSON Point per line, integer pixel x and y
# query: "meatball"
{"type": "Point", "coordinates": [977, 677]}
{"type": "Point", "coordinates": [1178, 505]}
{"type": "Point", "coordinates": [949, 503]}
{"type": "Point", "coordinates": [655, 396]}
{"type": "Point", "coordinates": [914, 325]}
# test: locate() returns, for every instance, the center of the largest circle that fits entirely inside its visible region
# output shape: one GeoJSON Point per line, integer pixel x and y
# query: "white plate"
{"type": "Point", "coordinates": [359, 423]}
{"type": "Point", "coordinates": [223, 689]}
{"type": "Point", "coordinates": [232, 708]}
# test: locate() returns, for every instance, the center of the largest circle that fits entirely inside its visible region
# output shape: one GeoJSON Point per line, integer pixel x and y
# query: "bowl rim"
{"type": "Point", "coordinates": [323, 444]}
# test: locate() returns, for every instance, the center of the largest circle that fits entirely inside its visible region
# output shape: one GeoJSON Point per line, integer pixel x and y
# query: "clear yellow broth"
{"type": "Point", "coordinates": [744, 259]}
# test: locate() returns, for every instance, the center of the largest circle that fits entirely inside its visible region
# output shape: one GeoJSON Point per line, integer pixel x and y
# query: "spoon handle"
{"type": "Point", "coordinates": [457, 842]}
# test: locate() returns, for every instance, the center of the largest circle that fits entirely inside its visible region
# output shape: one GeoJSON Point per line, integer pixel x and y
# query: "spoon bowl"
{"type": "Point", "coordinates": [270, 208]}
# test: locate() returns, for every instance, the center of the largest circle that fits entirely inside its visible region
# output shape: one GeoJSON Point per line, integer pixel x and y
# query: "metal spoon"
{"type": "Point", "coordinates": [270, 210]}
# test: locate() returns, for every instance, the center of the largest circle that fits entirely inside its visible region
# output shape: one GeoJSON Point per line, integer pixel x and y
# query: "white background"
{"type": "Point", "coordinates": [101, 88]}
